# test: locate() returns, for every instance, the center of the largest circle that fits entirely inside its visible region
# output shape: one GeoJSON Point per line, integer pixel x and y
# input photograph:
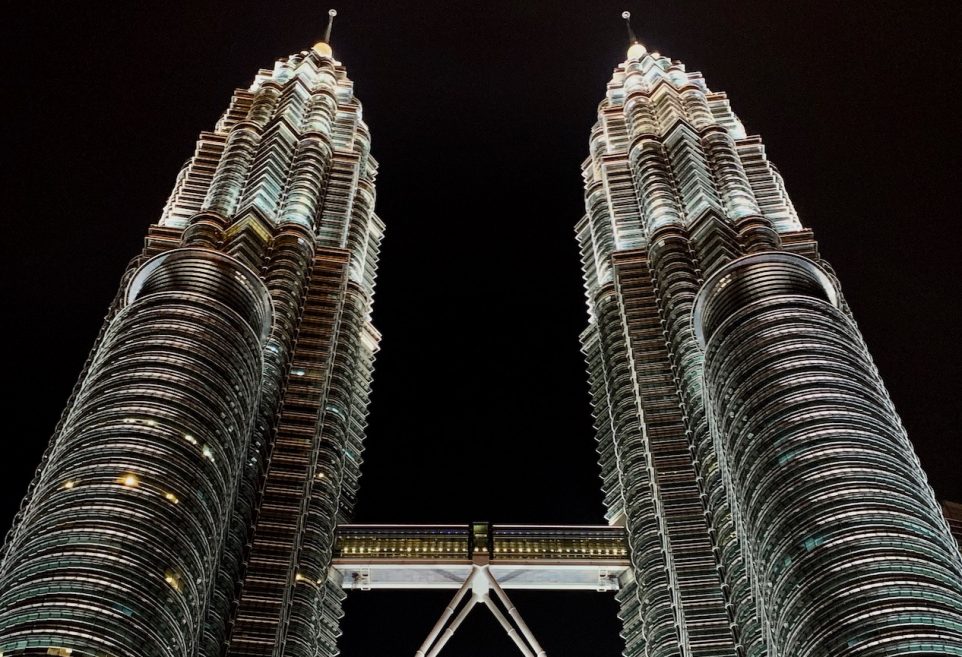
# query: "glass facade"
{"type": "Point", "coordinates": [772, 501]}
{"type": "Point", "coordinates": [188, 500]}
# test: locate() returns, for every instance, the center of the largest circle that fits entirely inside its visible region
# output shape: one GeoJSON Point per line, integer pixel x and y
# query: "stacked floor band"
{"type": "Point", "coordinates": [119, 543]}
{"type": "Point", "coordinates": [846, 543]}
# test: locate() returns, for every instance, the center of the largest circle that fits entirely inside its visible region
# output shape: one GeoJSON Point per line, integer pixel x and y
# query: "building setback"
{"type": "Point", "coordinates": [187, 502]}
{"type": "Point", "coordinates": [773, 502]}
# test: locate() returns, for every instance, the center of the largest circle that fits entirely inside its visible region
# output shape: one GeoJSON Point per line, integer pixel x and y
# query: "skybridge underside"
{"type": "Point", "coordinates": [371, 574]}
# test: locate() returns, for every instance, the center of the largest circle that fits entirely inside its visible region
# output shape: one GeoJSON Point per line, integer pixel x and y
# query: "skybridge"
{"type": "Point", "coordinates": [482, 560]}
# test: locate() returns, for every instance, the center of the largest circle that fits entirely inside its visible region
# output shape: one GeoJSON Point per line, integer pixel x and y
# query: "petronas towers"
{"type": "Point", "coordinates": [773, 503]}
{"type": "Point", "coordinates": [188, 502]}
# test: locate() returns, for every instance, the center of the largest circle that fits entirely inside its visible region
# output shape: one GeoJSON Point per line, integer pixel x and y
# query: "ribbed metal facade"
{"type": "Point", "coordinates": [842, 531]}
{"type": "Point", "coordinates": [772, 501]}
{"type": "Point", "coordinates": [187, 502]}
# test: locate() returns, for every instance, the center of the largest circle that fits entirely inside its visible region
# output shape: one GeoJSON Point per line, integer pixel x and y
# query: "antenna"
{"type": "Point", "coordinates": [331, 13]}
{"type": "Point", "coordinates": [631, 33]}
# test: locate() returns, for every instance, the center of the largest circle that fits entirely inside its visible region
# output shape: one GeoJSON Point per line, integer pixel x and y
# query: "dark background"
{"type": "Point", "coordinates": [480, 115]}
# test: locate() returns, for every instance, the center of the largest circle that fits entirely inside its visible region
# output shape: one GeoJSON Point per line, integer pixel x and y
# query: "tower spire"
{"type": "Point", "coordinates": [323, 47]}
{"type": "Point", "coordinates": [331, 13]}
{"type": "Point", "coordinates": [635, 49]}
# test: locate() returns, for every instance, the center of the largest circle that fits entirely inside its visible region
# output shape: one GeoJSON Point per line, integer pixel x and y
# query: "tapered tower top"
{"type": "Point", "coordinates": [635, 49]}
{"type": "Point", "coordinates": [323, 47]}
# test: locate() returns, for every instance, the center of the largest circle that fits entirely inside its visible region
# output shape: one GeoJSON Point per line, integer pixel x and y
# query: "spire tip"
{"type": "Point", "coordinates": [626, 15]}
{"type": "Point", "coordinates": [331, 13]}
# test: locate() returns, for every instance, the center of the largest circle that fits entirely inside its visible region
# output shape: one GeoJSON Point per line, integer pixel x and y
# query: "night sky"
{"type": "Point", "coordinates": [480, 114]}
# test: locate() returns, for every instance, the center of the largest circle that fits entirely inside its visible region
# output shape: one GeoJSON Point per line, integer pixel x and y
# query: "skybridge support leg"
{"type": "Point", "coordinates": [506, 624]}
{"type": "Point", "coordinates": [448, 612]}
{"type": "Point", "coordinates": [516, 616]}
{"type": "Point", "coordinates": [449, 632]}
{"type": "Point", "coordinates": [480, 582]}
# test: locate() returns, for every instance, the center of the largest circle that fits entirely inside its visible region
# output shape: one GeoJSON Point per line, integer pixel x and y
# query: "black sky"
{"type": "Point", "coordinates": [480, 115]}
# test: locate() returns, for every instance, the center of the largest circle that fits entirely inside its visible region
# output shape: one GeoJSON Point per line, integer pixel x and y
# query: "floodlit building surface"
{"type": "Point", "coordinates": [236, 358]}
{"type": "Point", "coordinates": [773, 503]}
{"type": "Point", "coordinates": [763, 498]}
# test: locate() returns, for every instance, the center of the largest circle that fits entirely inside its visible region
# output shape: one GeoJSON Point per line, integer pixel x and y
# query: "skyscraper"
{"type": "Point", "coordinates": [143, 552]}
{"type": "Point", "coordinates": [187, 502]}
{"type": "Point", "coordinates": [773, 503]}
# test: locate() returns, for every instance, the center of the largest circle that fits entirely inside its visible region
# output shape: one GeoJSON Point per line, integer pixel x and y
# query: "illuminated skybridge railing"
{"type": "Point", "coordinates": [481, 559]}
{"type": "Point", "coordinates": [519, 556]}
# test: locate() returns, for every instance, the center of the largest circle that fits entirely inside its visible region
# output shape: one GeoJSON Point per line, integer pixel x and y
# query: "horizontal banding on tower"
{"type": "Point", "coordinates": [202, 271]}
{"type": "Point", "coordinates": [119, 544]}
{"type": "Point", "coordinates": [754, 276]}
{"type": "Point", "coordinates": [843, 533]}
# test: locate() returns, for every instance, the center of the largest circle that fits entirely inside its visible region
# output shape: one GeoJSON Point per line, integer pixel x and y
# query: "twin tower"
{"type": "Point", "coordinates": [189, 501]}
